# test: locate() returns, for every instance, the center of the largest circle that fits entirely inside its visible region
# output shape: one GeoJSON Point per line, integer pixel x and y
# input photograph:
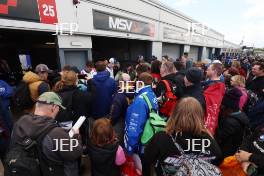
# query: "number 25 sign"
{"type": "Point", "coordinates": [47, 11]}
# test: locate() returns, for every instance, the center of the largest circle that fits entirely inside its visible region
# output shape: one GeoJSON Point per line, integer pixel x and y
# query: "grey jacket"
{"type": "Point", "coordinates": [56, 145]}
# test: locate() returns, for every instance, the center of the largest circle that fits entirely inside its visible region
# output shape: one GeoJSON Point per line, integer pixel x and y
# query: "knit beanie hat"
{"type": "Point", "coordinates": [194, 75]}
{"type": "Point", "coordinates": [231, 99]}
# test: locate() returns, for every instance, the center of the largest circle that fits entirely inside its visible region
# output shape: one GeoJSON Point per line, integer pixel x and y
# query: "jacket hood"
{"type": "Point", "coordinates": [241, 116]}
{"type": "Point", "coordinates": [194, 87]}
{"type": "Point", "coordinates": [216, 87]}
{"type": "Point", "coordinates": [102, 76]}
{"type": "Point", "coordinates": [31, 126]}
{"type": "Point", "coordinates": [171, 77]}
{"type": "Point", "coordinates": [31, 77]}
{"type": "Point", "coordinates": [102, 155]}
{"type": "Point", "coordinates": [143, 90]}
{"type": "Point", "coordinates": [68, 88]}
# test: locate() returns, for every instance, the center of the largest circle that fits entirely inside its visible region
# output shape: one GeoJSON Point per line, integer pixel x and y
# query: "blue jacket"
{"type": "Point", "coordinates": [105, 88]}
{"type": "Point", "coordinates": [136, 117]}
{"type": "Point", "coordinates": [6, 91]}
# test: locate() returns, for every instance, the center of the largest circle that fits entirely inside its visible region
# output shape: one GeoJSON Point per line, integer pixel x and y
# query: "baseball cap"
{"type": "Point", "coordinates": [50, 98]}
{"type": "Point", "coordinates": [42, 68]}
{"type": "Point", "coordinates": [112, 60]}
{"type": "Point", "coordinates": [217, 62]}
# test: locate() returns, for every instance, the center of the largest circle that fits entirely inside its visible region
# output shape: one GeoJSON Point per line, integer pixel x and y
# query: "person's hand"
{"type": "Point", "coordinates": [245, 166]}
{"type": "Point", "coordinates": [76, 131]}
{"type": "Point", "coordinates": [88, 78]}
{"type": "Point", "coordinates": [242, 156]}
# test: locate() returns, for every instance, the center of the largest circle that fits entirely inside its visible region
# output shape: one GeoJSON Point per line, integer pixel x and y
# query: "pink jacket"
{"type": "Point", "coordinates": [243, 98]}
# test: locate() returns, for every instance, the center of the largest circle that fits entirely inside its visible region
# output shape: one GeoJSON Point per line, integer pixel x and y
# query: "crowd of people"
{"type": "Point", "coordinates": [207, 111]}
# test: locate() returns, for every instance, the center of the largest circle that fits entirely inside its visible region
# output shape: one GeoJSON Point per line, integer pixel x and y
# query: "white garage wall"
{"type": "Point", "coordinates": [172, 50]}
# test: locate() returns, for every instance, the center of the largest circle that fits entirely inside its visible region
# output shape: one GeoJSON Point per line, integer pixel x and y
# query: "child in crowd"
{"type": "Point", "coordinates": [104, 150]}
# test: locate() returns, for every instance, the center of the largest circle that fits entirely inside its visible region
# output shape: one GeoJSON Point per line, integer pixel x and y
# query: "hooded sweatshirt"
{"type": "Point", "coordinates": [105, 89]}
{"type": "Point", "coordinates": [103, 159]}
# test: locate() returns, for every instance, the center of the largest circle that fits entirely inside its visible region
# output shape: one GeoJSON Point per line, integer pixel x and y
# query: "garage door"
{"type": "Point", "coordinates": [193, 54]}
{"type": "Point", "coordinates": [208, 53]}
{"type": "Point", "coordinates": [172, 50]}
{"type": "Point", "coordinates": [76, 58]}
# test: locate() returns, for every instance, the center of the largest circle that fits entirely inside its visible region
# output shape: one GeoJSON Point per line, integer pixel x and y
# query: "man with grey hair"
{"type": "Point", "coordinates": [43, 71]}
{"type": "Point", "coordinates": [55, 152]}
{"type": "Point", "coordinates": [169, 73]}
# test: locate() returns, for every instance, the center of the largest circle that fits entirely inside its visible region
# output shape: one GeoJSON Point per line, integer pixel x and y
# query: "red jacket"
{"type": "Point", "coordinates": [213, 94]}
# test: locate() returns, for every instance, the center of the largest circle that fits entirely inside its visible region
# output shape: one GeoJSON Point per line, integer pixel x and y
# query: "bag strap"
{"type": "Point", "coordinates": [38, 140]}
{"type": "Point", "coordinates": [148, 102]}
{"type": "Point", "coordinates": [167, 85]}
{"type": "Point", "coordinates": [177, 145]}
{"type": "Point", "coordinates": [41, 136]}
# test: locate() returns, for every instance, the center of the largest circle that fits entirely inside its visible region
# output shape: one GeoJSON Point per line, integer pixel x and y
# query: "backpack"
{"type": "Point", "coordinates": [247, 130]}
{"type": "Point", "coordinates": [251, 102]}
{"type": "Point", "coordinates": [169, 100]}
{"type": "Point", "coordinates": [154, 124]}
{"type": "Point", "coordinates": [22, 98]}
{"type": "Point", "coordinates": [26, 158]}
{"type": "Point", "coordinates": [67, 114]}
{"type": "Point", "coordinates": [188, 165]}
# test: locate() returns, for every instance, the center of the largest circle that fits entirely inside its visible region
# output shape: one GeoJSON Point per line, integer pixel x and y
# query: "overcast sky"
{"type": "Point", "coordinates": [237, 19]}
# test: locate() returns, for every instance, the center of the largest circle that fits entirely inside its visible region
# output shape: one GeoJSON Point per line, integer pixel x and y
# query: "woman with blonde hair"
{"type": "Point", "coordinates": [186, 129]}
{"type": "Point", "coordinates": [236, 64]}
{"type": "Point", "coordinates": [239, 82]}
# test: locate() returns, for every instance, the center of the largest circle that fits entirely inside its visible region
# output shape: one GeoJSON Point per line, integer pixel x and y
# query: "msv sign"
{"type": "Point", "coordinates": [120, 24]}
{"type": "Point", "coordinates": [110, 22]}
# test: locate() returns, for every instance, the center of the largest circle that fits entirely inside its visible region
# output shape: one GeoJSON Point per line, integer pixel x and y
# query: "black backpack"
{"type": "Point", "coordinates": [251, 102]}
{"type": "Point", "coordinates": [22, 99]}
{"type": "Point", "coordinates": [27, 159]}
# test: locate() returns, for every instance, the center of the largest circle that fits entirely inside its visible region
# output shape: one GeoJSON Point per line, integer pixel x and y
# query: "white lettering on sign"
{"type": "Point", "coordinates": [48, 10]}
{"type": "Point", "coordinates": [120, 24]}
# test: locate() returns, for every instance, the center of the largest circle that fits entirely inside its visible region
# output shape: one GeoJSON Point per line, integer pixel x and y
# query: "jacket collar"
{"type": "Point", "coordinates": [143, 89]}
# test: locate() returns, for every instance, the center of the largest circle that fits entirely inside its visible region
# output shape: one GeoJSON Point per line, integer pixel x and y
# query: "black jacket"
{"type": "Point", "coordinates": [254, 144]}
{"type": "Point", "coordinates": [79, 100]}
{"type": "Point", "coordinates": [32, 126]}
{"type": "Point", "coordinates": [175, 79]}
{"type": "Point", "coordinates": [196, 91]}
{"type": "Point", "coordinates": [257, 85]}
{"type": "Point", "coordinates": [230, 132]}
{"type": "Point", "coordinates": [161, 146]}
{"type": "Point", "coordinates": [103, 159]}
